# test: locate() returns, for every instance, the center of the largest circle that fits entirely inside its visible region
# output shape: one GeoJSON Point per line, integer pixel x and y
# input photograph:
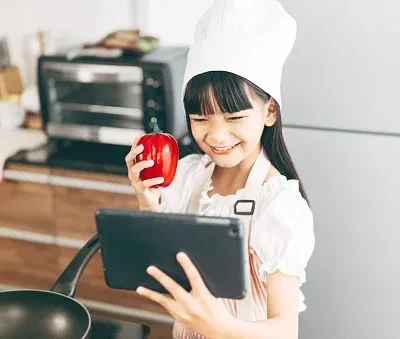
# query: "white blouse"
{"type": "Point", "coordinates": [282, 228]}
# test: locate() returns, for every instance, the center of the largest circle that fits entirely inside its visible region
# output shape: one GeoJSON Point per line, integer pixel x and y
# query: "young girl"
{"type": "Point", "coordinates": [233, 115]}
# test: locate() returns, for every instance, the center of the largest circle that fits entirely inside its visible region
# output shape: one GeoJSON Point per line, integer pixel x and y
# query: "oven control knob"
{"type": "Point", "coordinates": [152, 104]}
{"type": "Point", "coordinates": [150, 82]}
{"type": "Point", "coordinates": [157, 83]}
{"type": "Point", "coordinates": [154, 83]}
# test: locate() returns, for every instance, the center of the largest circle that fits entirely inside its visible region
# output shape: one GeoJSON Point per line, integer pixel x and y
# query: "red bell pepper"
{"type": "Point", "coordinates": [163, 149]}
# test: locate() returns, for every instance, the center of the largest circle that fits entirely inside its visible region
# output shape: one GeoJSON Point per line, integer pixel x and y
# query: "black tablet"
{"type": "Point", "coordinates": [132, 240]}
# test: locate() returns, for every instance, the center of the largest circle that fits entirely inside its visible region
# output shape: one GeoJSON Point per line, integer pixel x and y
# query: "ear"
{"type": "Point", "coordinates": [270, 112]}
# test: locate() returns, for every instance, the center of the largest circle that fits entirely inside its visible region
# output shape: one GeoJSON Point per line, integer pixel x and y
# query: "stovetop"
{"type": "Point", "coordinates": [86, 156]}
{"type": "Point", "coordinates": [103, 328]}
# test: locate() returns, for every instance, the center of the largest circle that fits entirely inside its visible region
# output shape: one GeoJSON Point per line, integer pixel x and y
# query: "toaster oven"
{"type": "Point", "coordinates": [111, 100]}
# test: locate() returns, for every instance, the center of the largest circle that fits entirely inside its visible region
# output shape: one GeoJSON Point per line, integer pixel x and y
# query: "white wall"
{"type": "Point", "coordinates": [72, 21]}
{"type": "Point", "coordinates": [173, 21]}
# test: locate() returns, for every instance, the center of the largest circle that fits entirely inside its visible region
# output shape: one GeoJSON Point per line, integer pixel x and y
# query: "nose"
{"type": "Point", "coordinates": [218, 134]}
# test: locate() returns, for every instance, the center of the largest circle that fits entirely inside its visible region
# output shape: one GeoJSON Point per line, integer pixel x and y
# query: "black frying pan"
{"type": "Point", "coordinates": [50, 314]}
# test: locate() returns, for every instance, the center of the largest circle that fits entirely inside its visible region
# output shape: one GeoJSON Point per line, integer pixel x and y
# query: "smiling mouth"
{"type": "Point", "coordinates": [225, 148]}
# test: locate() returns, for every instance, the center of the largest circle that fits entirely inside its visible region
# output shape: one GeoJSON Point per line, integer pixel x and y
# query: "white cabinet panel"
{"type": "Point", "coordinates": [344, 69]}
{"type": "Point", "coordinates": [352, 180]}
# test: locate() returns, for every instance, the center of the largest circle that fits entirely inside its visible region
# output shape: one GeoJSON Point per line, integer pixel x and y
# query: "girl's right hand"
{"type": "Point", "coordinates": [148, 197]}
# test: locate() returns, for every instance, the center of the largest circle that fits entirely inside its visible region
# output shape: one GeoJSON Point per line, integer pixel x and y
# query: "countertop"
{"type": "Point", "coordinates": [84, 156]}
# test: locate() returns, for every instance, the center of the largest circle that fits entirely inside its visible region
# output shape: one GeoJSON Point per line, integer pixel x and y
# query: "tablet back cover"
{"type": "Point", "coordinates": [132, 240]}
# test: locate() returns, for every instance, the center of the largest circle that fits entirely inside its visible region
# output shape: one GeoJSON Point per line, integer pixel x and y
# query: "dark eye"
{"type": "Point", "coordinates": [236, 118]}
{"type": "Point", "coordinates": [198, 119]}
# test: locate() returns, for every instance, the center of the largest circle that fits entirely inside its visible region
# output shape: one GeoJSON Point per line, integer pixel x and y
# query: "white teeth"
{"type": "Point", "coordinates": [224, 148]}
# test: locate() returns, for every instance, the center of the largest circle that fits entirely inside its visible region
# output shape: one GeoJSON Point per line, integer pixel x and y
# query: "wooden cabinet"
{"type": "Point", "coordinates": [25, 205]}
{"type": "Point", "coordinates": [46, 215]}
{"type": "Point", "coordinates": [28, 264]}
{"type": "Point", "coordinates": [75, 206]}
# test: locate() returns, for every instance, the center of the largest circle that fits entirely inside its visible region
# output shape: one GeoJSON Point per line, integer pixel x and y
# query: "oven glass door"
{"type": "Point", "coordinates": [93, 102]}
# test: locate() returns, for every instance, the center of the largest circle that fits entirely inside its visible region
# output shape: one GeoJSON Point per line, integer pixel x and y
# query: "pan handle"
{"type": "Point", "coordinates": [66, 283]}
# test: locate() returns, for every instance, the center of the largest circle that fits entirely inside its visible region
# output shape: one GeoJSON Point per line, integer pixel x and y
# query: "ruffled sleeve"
{"type": "Point", "coordinates": [175, 197]}
{"type": "Point", "coordinates": [282, 234]}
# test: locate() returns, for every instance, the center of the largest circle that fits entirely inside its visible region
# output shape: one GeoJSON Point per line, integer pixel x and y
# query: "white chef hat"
{"type": "Point", "coordinates": [250, 38]}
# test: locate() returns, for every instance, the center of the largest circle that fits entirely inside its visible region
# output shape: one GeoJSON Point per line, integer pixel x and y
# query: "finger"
{"type": "Point", "coordinates": [136, 141]}
{"type": "Point", "coordinates": [164, 300]}
{"type": "Point", "coordinates": [176, 290]}
{"type": "Point", "coordinates": [130, 157]}
{"type": "Point", "coordinates": [134, 171]}
{"type": "Point", "coordinates": [141, 165]}
{"type": "Point", "coordinates": [152, 182]}
{"type": "Point", "coordinates": [172, 306]}
{"type": "Point", "coordinates": [193, 275]}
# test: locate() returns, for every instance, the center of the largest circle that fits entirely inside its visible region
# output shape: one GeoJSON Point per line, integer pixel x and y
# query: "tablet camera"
{"type": "Point", "coordinates": [233, 231]}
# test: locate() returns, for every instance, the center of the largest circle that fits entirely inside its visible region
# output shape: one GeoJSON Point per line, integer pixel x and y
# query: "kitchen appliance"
{"type": "Point", "coordinates": [92, 108]}
{"type": "Point", "coordinates": [112, 100]}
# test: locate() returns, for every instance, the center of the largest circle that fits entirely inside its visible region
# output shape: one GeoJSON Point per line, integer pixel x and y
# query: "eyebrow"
{"type": "Point", "coordinates": [226, 113]}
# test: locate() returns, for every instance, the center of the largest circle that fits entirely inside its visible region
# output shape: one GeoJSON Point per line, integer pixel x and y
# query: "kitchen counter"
{"type": "Point", "coordinates": [82, 156]}
{"type": "Point", "coordinates": [91, 157]}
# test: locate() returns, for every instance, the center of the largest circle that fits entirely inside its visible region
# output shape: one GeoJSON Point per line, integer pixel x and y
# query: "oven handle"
{"type": "Point", "coordinates": [89, 73]}
{"type": "Point", "coordinates": [102, 134]}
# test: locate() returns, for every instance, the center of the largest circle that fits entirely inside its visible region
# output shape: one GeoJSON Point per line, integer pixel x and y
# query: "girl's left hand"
{"type": "Point", "coordinates": [199, 309]}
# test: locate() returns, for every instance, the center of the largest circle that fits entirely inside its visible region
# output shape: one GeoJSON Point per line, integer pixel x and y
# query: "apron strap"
{"type": "Point", "coordinates": [253, 187]}
{"type": "Point", "coordinates": [251, 190]}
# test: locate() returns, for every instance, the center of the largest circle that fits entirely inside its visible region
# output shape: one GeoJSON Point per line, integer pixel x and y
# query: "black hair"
{"type": "Point", "coordinates": [228, 92]}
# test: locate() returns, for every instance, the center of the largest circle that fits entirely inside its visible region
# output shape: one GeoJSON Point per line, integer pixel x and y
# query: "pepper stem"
{"type": "Point", "coordinates": [156, 129]}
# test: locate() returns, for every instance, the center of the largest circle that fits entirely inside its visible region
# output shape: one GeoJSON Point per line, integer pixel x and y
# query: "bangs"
{"type": "Point", "coordinates": [216, 91]}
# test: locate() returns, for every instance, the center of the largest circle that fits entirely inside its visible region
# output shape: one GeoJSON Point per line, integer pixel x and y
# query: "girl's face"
{"type": "Point", "coordinates": [229, 138]}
